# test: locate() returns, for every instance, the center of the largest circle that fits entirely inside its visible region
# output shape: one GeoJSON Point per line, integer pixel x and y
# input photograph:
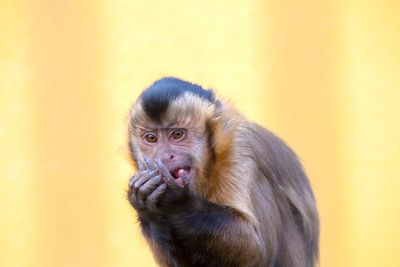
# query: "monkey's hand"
{"type": "Point", "coordinates": [177, 195]}
{"type": "Point", "coordinates": [145, 190]}
{"type": "Point", "coordinates": [155, 193]}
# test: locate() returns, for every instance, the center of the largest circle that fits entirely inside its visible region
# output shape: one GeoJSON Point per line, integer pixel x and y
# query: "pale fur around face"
{"type": "Point", "coordinates": [230, 174]}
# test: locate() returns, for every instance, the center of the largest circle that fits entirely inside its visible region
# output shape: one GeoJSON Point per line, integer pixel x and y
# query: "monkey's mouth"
{"type": "Point", "coordinates": [179, 173]}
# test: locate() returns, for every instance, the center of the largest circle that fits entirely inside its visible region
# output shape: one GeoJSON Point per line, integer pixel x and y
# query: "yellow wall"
{"type": "Point", "coordinates": [324, 75]}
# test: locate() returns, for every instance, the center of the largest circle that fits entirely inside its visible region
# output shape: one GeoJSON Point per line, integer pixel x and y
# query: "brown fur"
{"type": "Point", "coordinates": [251, 171]}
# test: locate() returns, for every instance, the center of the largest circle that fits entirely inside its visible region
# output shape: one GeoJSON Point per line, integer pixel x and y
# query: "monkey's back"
{"type": "Point", "coordinates": [284, 202]}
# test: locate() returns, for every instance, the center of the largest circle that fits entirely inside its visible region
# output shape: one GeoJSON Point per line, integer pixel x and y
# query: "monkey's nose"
{"type": "Point", "coordinates": [166, 157]}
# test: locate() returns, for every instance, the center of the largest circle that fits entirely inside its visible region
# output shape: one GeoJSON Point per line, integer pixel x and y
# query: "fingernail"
{"type": "Point", "coordinates": [140, 164]}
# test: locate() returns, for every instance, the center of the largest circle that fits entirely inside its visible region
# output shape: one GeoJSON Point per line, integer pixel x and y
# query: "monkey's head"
{"type": "Point", "coordinates": [180, 124]}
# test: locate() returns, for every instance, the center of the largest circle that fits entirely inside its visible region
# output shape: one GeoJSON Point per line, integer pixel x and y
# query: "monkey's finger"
{"type": "Point", "coordinates": [146, 162]}
{"type": "Point", "coordinates": [141, 165]}
{"type": "Point", "coordinates": [157, 192]}
{"type": "Point", "coordinates": [155, 196]}
{"type": "Point", "coordinates": [149, 187]}
{"type": "Point", "coordinates": [154, 181]}
{"type": "Point", "coordinates": [133, 180]}
{"type": "Point", "coordinates": [143, 161]}
{"type": "Point", "coordinates": [144, 177]}
{"type": "Point", "coordinates": [184, 177]}
{"type": "Point", "coordinates": [135, 201]}
{"type": "Point", "coordinates": [160, 165]}
{"type": "Point", "coordinates": [152, 165]}
{"type": "Point", "coordinates": [167, 177]}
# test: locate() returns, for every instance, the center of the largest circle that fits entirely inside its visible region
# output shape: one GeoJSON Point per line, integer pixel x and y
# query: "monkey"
{"type": "Point", "coordinates": [213, 188]}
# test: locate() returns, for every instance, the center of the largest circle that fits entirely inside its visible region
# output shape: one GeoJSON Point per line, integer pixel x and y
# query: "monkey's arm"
{"type": "Point", "coordinates": [208, 234]}
{"type": "Point", "coordinates": [185, 230]}
{"type": "Point", "coordinates": [218, 234]}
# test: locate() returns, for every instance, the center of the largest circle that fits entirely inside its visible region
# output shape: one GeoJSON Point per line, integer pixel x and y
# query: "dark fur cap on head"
{"type": "Point", "coordinates": [156, 99]}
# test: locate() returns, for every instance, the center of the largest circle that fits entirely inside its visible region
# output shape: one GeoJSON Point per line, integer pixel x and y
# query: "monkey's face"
{"type": "Point", "coordinates": [172, 130]}
{"type": "Point", "coordinates": [176, 123]}
{"type": "Point", "coordinates": [180, 149]}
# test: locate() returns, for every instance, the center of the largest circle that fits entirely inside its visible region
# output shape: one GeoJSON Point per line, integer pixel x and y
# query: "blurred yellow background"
{"type": "Point", "coordinates": [324, 75]}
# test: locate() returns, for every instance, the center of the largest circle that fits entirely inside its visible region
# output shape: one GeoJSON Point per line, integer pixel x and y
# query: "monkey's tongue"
{"type": "Point", "coordinates": [178, 173]}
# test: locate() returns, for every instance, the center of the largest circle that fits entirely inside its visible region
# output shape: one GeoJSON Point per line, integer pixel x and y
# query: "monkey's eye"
{"type": "Point", "coordinates": [177, 134]}
{"type": "Point", "coordinates": [150, 137]}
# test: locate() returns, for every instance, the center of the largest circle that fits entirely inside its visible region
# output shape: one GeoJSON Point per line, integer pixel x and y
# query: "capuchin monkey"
{"type": "Point", "coordinates": [214, 189]}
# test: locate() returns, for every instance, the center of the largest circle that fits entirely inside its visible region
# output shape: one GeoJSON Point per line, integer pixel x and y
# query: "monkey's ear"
{"type": "Point", "coordinates": [223, 124]}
